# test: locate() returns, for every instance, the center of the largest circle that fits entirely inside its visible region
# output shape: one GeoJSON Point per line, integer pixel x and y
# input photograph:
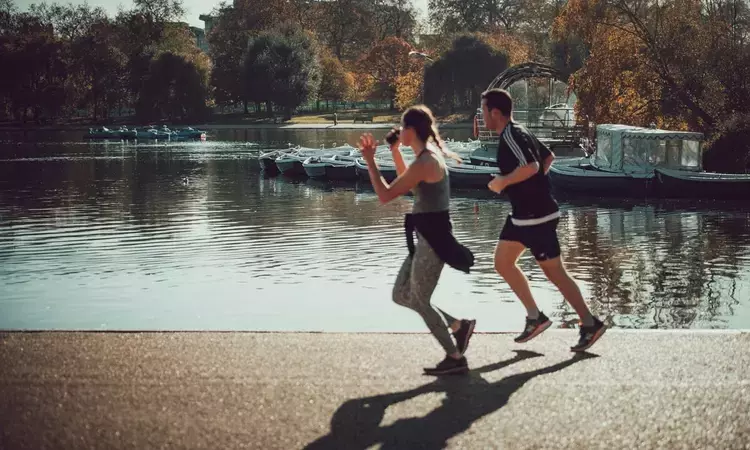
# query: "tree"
{"type": "Point", "coordinates": [69, 22]}
{"type": "Point", "coordinates": [527, 20]}
{"type": "Point", "coordinates": [408, 90]}
{"type": "Point", "coordinates": [99, 68]}
{"type": "Point", "coordinates": [234, 26]}
{"type": "Point", "coordinates": [460, 75]}
{"type": "Point", "coordinates": [93, 61]}
{"type": "Point", "coordinates": [258, 70]}
{"type": "Point", "coordinates": [568, 55]}
{"type": "Point", "coordinates": [282, 67]}
{"type": "Point", "coordinates": [181, 70]}
{"type": "Point", "coordinates": [35, 66]}
{"type": "Point", "coordinates": [349, 27]}
{"type": "Point", "coordinates": [176, 88]}
{"type": "Point", "coordinates": [386, 62]}
{"type": "Point", "coordinates": [392, 18]}
{"type": "Point", "coordinates": [517, 50]}
{"type": "Point", "coordinates": [344, 26]}
{"type": "Point", "coordinates": [228, 40]}
{"type": "Point", "coordinates": [159, 12]}
{"type": "Point", "coordinates": [682, 57]}
{"type": "Point", "coordinates": [728, 149]}
{"type": "Point", "coordinates": [336, 83]}
{"type": "Point", "coordinates": [8, 11]}
{"type": "Point", "coordinates": [677, 63]}
{"type": "Point", "coordinates": [363, 86]}
{"type": "Point", "coordinates": [454, 16]}
{"type": "Point", "coordinates": [140, 32]}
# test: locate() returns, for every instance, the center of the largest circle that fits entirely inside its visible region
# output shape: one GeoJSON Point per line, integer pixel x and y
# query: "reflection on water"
{"type": "Point", "coordinates": [193, 236]}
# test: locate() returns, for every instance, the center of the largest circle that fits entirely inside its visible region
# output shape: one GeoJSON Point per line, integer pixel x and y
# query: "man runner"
{"type": "Point", "coordinates": [524, 163]}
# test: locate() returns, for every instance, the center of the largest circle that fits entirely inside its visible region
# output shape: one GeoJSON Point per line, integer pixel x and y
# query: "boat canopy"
{"type": "Point", "coordinates": [625, 148]}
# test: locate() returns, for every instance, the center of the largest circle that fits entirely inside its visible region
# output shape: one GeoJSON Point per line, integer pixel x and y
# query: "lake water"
{"type": "Point", "coordinates": [194, 236]}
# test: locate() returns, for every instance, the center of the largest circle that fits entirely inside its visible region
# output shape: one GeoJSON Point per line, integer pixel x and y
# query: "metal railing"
{"type": "Point", "coordinates": [554, 124]}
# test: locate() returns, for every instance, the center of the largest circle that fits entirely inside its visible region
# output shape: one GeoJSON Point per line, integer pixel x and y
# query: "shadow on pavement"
{"type": "Point", "coordinates": [356, 423]}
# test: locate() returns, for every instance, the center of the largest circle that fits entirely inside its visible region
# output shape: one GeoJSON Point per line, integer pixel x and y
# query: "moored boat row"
{"type": "Point", "coordinates": [627, 161]}
{"type": "Point", "coordinates": [346, 164]}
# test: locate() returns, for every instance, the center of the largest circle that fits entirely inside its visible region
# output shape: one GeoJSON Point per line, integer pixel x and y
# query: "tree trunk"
{"type": "Point", "coordinates": [244, 105]}
{"type": "Point", "coordinates": [269, 108]}
{"type": "Point", "coordinates": [287, 113]}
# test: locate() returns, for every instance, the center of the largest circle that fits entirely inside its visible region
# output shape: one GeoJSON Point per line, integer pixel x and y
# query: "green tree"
{"type": "Point", "coordinates": [345, 27]}
{"type": "Point", "coordinates": [95, 65]}
{"type": "Point", "coordinates": [460, 75]}
{"type": "Point", "coordinates": [454, 16]}
{"type": "Point", "coordinates": [228, 40]}
{"type": "Point", "coordinates": [35, 64]}
{"type": "Point", "coordinates": [99, 67]}
{"type": "Point", "coordinates": [70, 22]}
{"type": "Point", "coordinates": [282, 67]}
{"type": "Point", "coordinates": [176, 88]}
{"type": "Point", "coordinates": [568, 55]}
{"type": "Point", "coordinates": [234, 26]}
{"type": "Point", "coordinates": [140, 32]}
{"type": "Point", "coordinates": [258, 71]}
{"type": "Point", "coordinates": [349, 27]}
{"type": "Point", "coordinates": [336, 83]}
{"type": "Point", "coordinates": [392, 18]}
{"type": "Point", "coordinates": [528, 20]}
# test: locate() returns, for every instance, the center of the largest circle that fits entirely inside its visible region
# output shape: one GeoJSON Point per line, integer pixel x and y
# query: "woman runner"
{"type": "Point", "coordinates": [427, 178]}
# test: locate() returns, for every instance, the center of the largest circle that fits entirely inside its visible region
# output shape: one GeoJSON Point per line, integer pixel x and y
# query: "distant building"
{"type": "Point", "coordinates": [200, 38]}
{"type": "Point", "coordinates": [207, 27]}
{"type": "Point", "coordinates": [208, 21]}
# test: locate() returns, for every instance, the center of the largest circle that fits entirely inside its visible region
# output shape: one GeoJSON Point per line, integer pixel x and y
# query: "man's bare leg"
{"type": "Point", "coordinates": [555, 271]}
{"type": "Point", "coordinates": [592, 328]}
{"type": "Point", "coordinates": [506, 258]}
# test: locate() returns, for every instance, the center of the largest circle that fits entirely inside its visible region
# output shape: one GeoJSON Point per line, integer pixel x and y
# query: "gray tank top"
{"type": "Point", "coordinates": [432, 197]}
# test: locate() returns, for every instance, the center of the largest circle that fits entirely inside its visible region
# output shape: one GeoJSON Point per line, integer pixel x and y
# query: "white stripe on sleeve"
{"type": "Point", "coordinates": [515, 148]}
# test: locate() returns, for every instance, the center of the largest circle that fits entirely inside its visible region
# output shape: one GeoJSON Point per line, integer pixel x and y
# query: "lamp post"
{"type": "Point", "coordinates": [424, 72]}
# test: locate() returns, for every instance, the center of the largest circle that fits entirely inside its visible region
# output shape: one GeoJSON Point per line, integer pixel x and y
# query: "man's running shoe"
{"type": "Point", "coordinates": [534, 328]}
{"type": "Point", "coordinates": [589, 335]}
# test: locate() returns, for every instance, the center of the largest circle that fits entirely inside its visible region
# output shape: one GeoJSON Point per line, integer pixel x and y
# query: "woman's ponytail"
{"type": "Point", "coordinates": [446, 153]}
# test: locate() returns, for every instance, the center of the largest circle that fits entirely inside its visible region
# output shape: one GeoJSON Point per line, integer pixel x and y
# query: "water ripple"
{"type": "Point", "coordinates": [194, 237]}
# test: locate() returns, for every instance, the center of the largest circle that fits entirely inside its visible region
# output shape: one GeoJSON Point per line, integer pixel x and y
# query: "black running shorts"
{"type": "Point", "coordinates": [540, 239]}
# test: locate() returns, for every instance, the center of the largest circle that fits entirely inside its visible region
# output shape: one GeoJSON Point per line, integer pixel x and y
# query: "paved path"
{"type": "Point", "coordinates": [645, 389]}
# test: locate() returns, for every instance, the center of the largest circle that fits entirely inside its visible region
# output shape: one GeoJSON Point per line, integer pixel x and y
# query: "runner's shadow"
{"type": "Point", "coordinates": [356, 423]}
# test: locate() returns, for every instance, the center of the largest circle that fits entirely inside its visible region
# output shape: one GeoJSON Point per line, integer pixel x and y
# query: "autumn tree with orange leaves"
{"type": "Point", "coordinates": [408, 90]}
{"type": "Point", "coordinates": [676, 63]}
{"type": "Point", "coordinates": [664, 62]}
{"type": "Point", "coordinates": [386, 62]}
{"type": "Point", "coordinates": [336, 83]}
